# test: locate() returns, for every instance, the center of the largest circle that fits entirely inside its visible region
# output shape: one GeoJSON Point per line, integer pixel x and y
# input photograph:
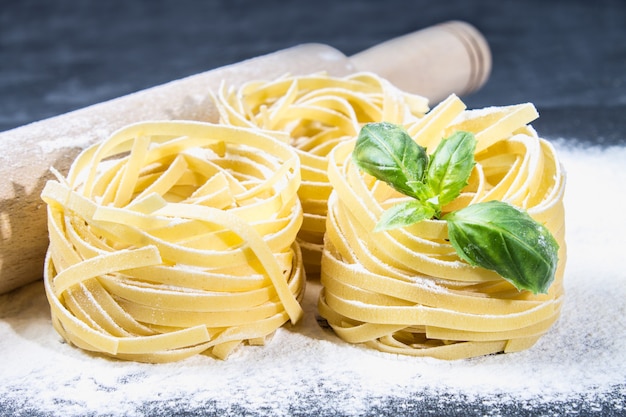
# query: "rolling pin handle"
{"type": "Point", "coordinates": [451, 57]}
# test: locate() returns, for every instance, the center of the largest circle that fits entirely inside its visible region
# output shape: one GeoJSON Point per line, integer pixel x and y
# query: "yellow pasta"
{"type": "Point", "coordinates": [405, 290]}
{"type": "Point", "coordinates": [174, 238]}
{"type": "Point", "coordinates": [316, 112]}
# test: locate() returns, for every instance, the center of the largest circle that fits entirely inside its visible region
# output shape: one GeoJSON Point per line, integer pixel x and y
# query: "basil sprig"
{"type": "Point", "coordinates": [494, 235]}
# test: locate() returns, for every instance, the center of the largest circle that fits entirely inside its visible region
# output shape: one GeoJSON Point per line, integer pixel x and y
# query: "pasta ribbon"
{"type": "Point", "coordinates": [173, 238]}
{"type": "Point", "coordinates": [317, 112]}
{"type": "Point", "coordinates": [405, 290]}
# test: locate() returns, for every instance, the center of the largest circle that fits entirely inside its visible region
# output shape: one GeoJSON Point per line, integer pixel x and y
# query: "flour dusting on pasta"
{"type": "Point", "coordinates": [137, 213]}
{"type": "Point", "coordinates": [472, 311]}
{"type": "Point", "coordinates": [173, 238]}
{"type": "Point", "coordinates": [317, 112]}
{"type": "Point", "coordinates": [578, 365]}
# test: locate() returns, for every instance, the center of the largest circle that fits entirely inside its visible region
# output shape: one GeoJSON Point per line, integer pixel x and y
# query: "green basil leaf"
{"type": "Point", "coordinates": [404, 214]}
{"type": "Point", "coordinates": [420, 191]}
{"type": "Point", "coordinates": [498, 236]}
{"type": "Point", "coordinates": [387, 152]}
{"type": "Point", "coordinates": [451, 166]}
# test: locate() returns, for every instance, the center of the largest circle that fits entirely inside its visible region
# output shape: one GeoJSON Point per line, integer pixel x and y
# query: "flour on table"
{"type": "Point", "coordinates": [307, 369]}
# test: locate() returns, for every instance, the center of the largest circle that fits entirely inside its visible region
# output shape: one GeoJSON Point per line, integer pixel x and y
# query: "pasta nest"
{"type": "Point", "coordinates": [317, 112]}
{"type": "Point", "coordinates": [174, 238]}
{"type": "Point", "coordinates": [405, 290]}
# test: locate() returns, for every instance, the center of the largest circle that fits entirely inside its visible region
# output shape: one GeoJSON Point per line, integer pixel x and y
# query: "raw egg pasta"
{"type": "Point", "coordinates": [405, 290]}
{"type": "Point", "coordinates": [317, 112]}
{"type": "Point", "coordinates": [174, 238]}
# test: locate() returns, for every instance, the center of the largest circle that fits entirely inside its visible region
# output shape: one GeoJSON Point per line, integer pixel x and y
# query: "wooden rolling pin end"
{"type": "Point", "coordinates": [451, 57]}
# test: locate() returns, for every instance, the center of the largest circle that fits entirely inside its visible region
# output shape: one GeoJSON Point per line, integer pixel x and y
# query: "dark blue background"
{"type": "Point", "coordinates": [567, 57]}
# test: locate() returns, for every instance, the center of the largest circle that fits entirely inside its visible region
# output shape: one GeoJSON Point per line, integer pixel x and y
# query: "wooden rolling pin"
{"type": "Point", "coordinates": [452, 57]}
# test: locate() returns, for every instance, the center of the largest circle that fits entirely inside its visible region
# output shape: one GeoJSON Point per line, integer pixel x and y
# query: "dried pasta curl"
{"type": "Point", "coordinates": [174, 238]}
{"type": "Point", "coordinates": [317, 112]}
{"type": "Point", "coordinates": [405, 290]}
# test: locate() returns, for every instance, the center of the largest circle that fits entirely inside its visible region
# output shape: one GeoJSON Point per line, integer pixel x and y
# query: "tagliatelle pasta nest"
{"type": "Point", "coordinates": [173, 238]}
{"type": "Point", "coordinates": [405, 290]}
{"type": "Point", "coordinates": [317, 112]}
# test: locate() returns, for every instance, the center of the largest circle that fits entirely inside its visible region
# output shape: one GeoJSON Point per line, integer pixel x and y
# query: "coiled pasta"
{"type": "Point", "coordinates": [173, 238]}
{"type": "Point", "coordinates": [405, 290]}
{"type": "Point", "coordinates": [317, 112]}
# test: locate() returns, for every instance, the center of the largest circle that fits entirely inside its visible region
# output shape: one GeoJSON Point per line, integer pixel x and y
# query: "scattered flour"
{"type": "Point", "coordinates": [306, 370]}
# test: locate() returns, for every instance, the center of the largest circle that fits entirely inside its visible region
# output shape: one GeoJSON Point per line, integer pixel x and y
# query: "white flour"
{"type": "Point", "coordinates": [306, 370]}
